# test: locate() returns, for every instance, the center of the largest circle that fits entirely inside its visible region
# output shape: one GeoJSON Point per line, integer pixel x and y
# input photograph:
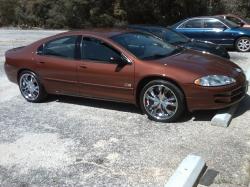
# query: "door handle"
{"type": "Point", "coordinates": [41, 62]}
{"type": "Point", "coordinates": [83, 66]}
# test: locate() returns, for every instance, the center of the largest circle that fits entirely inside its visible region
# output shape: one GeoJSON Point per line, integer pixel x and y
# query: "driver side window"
{"type": "Point", "coordinates": [96, 50]}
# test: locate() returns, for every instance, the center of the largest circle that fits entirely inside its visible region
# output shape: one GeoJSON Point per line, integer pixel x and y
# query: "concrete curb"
{"type": "Point", "coordinates": [187, 173]}
{"type": "Point", "coordinates": [224, 117]}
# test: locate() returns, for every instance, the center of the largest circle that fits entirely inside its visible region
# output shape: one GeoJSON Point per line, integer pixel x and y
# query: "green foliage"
{"type": "Point", "coordinates": [7, 12]}
{"type": "Point", "coordinates": [103, 13]}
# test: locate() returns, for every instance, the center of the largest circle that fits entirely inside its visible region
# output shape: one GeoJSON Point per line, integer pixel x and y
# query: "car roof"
{"type": "Point", "coordinates": [198, 17]}
{"type": "Point", "coordinates": [202, 17]}
{"type": "Point", "coordinates": [102, 32]}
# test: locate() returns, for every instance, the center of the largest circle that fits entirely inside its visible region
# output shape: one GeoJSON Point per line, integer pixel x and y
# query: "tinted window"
{"type": "Point", "coordinates": [145, 46]}
{"type": "Point", "coordinates": [62, 47]}
{"type": "Point", "coordinates": [194, 23]}
{"type": "Point", "coordinates": [157, 32]}
{"type": "Point", "coordinates": [94, 49]}
{"type": "Point", "coordinates": [213, 23]}
{"type": "Point", "coordinates": [174, 37]}
{"type": "Point", "coordinates": [235, 20]}
{"type": "Point", "coordinates": [229, 23]}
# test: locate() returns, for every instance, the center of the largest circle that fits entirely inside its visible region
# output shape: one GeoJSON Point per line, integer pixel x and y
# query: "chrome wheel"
{"type": "Point", "coordinates": [243, 44]}
{"type": "Point", "coordinates": [29, 86]}
{"type": "Point", "coordinates": [160, 102]}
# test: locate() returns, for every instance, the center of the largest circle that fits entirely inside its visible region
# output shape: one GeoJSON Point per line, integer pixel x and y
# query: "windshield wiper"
{"type": "Point", "coordinates": [179, 42]}
{"type": "Point", "coordinates": [155, 56]}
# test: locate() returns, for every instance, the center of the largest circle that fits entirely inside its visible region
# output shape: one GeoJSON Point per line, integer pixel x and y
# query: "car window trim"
{"type": "Point", "coordinates": [106, 44]}
{"type": "Point", "coordinates": [179, 27]}
{"type": "Point", "coordinates": [191, 19]}
{"type": "Point", "coordinates": [216, 20]}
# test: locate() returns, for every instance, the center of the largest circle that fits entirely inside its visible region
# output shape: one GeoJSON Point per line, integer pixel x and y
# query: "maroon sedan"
{"type": "Point", "coordinates": [236, 19]}
{"type": "Point", "coordinates": [126, 66]}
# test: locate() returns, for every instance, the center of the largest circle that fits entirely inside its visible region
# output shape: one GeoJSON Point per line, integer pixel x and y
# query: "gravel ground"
{"type": "Point", "coordinates": [70, 141]}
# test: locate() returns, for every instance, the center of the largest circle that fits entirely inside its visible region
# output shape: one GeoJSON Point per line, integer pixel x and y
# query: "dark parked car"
{"type": "Point", "coordinates": [178, 39]}
{"type": "Point", "coordinates": [126, 66]}
{"type": "Point", "coordinates": [217, 30]}
{"type": "Point", "coordinates": [236, 19]}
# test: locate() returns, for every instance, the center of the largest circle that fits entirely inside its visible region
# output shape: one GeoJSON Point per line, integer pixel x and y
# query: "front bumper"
{"type": "Point", "coordinates": [202, 98]}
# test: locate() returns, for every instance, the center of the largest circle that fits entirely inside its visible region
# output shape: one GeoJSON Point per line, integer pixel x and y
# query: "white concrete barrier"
{"type": "Point", "coordinates": [187, 173]}
{"type": "Point", "coordinates": [224, 117]}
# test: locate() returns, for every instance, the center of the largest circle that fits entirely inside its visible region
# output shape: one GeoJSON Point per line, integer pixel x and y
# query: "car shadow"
{"type": "Point", "coordinates": [243, 107]}
{"type": "Point", "coordinates": [94, 103]}
{"type": "Point", "coordinates": [206, 115]}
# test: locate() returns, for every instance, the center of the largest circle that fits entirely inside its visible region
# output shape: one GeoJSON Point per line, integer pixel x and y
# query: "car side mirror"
{"type": "Point", "coordinates": [121, 60]}
{"type": "Point", "coordinates": [224, 28]}
{"type": "Point", "coordinates": [39, 52]}
{"type": "Point", "coordinates": [242, 24]}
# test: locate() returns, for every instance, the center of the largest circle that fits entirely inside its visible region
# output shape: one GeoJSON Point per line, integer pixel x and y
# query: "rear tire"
{"type": "Point", "coordinates": [243, 44]}
{"type": "Point", "coordinates": [30, 87]}
{"type": "Point", "coordinates": [162, 101]}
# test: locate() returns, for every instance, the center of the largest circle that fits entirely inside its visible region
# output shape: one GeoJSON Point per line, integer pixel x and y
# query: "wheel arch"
{"type": "Point", "coordinates": [22, 70]}
{"type": "Point", "coordinates": [147, 79]}
{"type": "Point", "coordinates": [236, 40]}
{"type": "Point", "coordinates": [241, 36]}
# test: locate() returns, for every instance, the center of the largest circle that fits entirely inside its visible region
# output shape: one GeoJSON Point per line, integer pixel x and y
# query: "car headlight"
{"type": "Point", "coordinates": [214, 80]}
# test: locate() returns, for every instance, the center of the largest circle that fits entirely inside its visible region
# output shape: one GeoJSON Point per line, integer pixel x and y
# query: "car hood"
{"type": "Point", "coordinates": [208, 47]}
{"type": "Point", "coordinates": [195, 64]}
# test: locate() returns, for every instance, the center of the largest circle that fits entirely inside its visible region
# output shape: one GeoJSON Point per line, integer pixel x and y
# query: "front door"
{"type": "Point", "coordinates": [215, 31]}
{"type": "Point", "coordinates": [99, 77]}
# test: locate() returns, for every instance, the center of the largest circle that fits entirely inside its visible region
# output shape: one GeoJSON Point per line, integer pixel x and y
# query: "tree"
{"type": "Point", "coordinates": [103, 13]}
{"type": "Point", "coordinates": [7, 12]}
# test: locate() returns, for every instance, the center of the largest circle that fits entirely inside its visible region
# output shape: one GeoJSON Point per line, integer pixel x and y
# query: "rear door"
{"type": "Point", "coordinates": [57, 64]}
{"type": "Point", "coordinates": [192, 28]}
{"type": "Point", "coordinates": [99, 77]}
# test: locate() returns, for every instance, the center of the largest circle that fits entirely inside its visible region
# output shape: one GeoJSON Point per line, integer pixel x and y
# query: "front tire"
{"type": "Point", "coordinates": [30, 87]}
{"type": "Point", "coordinates": [243, 44]}
{"type": "Point", "coordinates": [162, 101]}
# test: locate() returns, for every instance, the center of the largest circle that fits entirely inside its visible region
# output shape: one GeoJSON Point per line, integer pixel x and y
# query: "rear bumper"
{"type": "Point", "coordinates": [201, 98]}
{"type": "Point", "coordinates": [11, 72]}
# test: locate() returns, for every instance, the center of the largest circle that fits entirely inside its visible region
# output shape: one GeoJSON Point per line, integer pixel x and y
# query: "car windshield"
{"type": "Point", "coordinates": [145, 46]}
{"type": "Point", "coordinates": [230, 23]}
{"type": "Point", "coordinates": [173, 37]}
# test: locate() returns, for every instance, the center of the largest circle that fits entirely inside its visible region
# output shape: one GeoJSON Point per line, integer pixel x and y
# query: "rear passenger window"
{"type": "Point", "coordinates": [62, 47]}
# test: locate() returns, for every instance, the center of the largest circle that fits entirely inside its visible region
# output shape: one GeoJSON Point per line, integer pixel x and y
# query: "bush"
{"type": "Point", "coordinates": [102, 13]}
